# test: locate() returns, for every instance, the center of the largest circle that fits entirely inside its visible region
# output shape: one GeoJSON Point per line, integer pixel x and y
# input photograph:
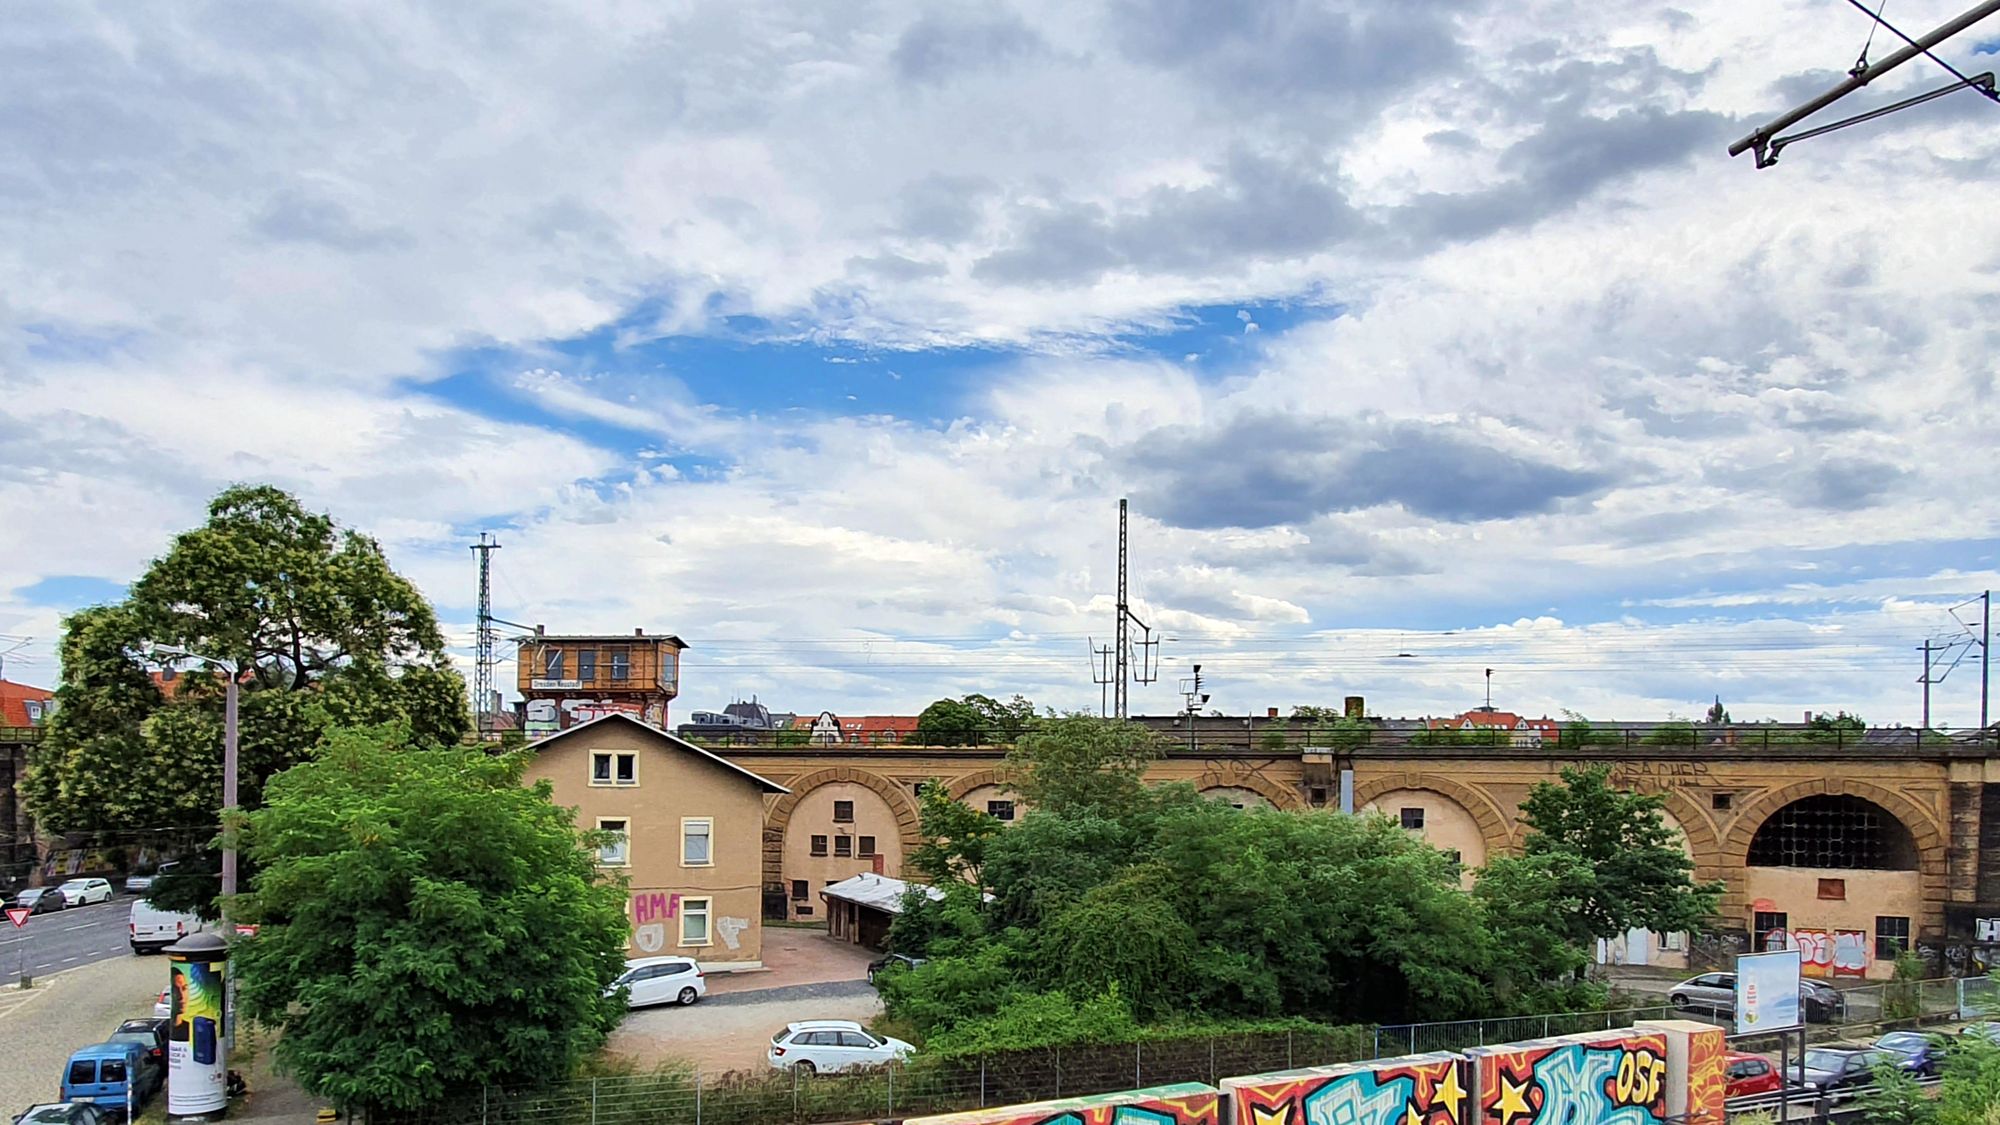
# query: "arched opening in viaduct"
{"type": "Point", "coordinates": [1838, 877]}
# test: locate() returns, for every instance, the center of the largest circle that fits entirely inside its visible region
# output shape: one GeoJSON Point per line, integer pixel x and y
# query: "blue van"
{"type": "Point", "coordinates": [101, 1072]}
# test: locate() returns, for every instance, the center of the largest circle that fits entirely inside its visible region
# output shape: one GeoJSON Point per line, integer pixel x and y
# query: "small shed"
{"type": "Point", "coordinates": [860, 909]}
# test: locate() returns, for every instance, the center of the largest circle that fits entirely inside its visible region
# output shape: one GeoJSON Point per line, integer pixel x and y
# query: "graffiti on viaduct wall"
{"type": "Point", "coordinates": [1427, 1089]}
{"type": "Point", "coordinates": [1191, 1103]}
{"type": "Point", "coordinates": [1658, 1071]}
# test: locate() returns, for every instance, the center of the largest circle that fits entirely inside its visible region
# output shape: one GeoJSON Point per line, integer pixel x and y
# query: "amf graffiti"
{"type": "Point", "coordinates": [1416, 1090]}
{"type": "Point", "coordinates": [1190, 1103]}
{"type": "Point", "coordinates": [1617, 1079]}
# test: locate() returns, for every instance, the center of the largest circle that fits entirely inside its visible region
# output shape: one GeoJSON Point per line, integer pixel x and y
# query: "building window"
{"type": "Point", "coordinates": [1413, 819]}
{"type": "Point", "coordinates": [1835, 889]}
{"type": "Point", "coordinates": [552, 664]}
{"type": "Point", "coordinates": [613, 767]}
{"type": "Point", "coordinates": [616, 850]}
{"type": "Point", "coordinates": [843, 812]}
{"type": "Point", "coordinates": [804, 911]}
{"type": "Point", "coordinates": [1771, 929]}
{"type": "Point", "coordinates": [694, 921]}
{"type": "Point", "coordinates": [843, 845]}
{"type": "Point", "coordinates": [695, 832]}
{"type": "Point", "coordinates": [1892, 937]}
{"type": "Point", "coordinates": [586, 664]}
{"type": "Point", "coordinates": [1721, 802]}
{"type": "Point", "coordinates": [621, 664]}
{"type": "Point", "coordinates": [867, 848]}
{"type": "Point", "coordinates": [819, 845]}
{"type": "Point", "coordinates": [1674, 942]}
{"type": "Point", "coordinates": [1836, 831]}
{"type": "Point", "coordinates": [1317, 796]}
{"type": "Point", "coordinates": [1000, 810]}
{"type": "Point", "coordinates": [799, 890]}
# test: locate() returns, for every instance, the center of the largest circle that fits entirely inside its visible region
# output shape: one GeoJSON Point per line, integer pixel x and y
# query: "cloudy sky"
{"type": "Point", "coordinates": [1423, 337]}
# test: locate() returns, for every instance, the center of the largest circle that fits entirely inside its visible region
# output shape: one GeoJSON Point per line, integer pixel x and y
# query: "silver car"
{"type": "Point", "coordinates": [1711, 992]}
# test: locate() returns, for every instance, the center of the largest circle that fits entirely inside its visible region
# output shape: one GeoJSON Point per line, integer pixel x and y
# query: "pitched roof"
{"type": "Point", "coordinates": [14, 699]}
{"type": "Point", "coordinates": [669, 738]}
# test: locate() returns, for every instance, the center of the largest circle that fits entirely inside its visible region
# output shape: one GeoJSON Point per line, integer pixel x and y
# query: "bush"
{"type": "Point", "coordinates": [1048, 1019]}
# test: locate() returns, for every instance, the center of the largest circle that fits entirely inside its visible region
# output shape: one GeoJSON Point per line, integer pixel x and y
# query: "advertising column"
{"type": "Point", "coordinates": [197, 1051]}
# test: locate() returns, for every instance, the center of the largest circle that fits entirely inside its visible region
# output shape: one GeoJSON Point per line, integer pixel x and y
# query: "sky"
{"type": "Point", "coordinates": [1423, 338]}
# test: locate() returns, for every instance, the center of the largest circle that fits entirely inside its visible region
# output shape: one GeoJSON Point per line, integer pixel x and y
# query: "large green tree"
{"type": "Point", "coordinates": [974, 720]}
{"type": "Point", "coordinates": [1631, 872]}
{"type": "Point", "coordinates": [428, 923]}
{"type": "Point", "coordinates": [325, 631]}
{"type": "Point", "coordinates": [1081, 764]}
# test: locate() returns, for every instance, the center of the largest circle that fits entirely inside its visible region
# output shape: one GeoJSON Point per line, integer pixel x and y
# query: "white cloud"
{"type": "Point", "coordinates": [250, 245]}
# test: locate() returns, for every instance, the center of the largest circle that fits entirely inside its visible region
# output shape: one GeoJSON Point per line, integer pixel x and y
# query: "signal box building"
{"type": "Point", "coordinates": [565, 681]}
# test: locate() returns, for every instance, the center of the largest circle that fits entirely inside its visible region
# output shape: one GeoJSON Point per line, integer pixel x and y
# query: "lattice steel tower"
{"type": "Point", "coordinates": [482, 674]}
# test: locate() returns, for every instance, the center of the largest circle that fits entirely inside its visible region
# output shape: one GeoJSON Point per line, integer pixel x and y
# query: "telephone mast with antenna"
{"type": "Point", "coordinates": [485, 703]}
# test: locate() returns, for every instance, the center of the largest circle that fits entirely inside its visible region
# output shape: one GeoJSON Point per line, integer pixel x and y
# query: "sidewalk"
{"type": "Point", "coordinates": [39, 1028]}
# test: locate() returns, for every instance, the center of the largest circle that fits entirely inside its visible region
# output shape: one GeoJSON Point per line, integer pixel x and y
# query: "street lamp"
{"type": "Point", "coordinates": [233, 671]}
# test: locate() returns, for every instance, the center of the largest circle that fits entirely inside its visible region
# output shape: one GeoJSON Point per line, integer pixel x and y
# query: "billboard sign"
{"type": "Point", "coordinates": [1767, 991]}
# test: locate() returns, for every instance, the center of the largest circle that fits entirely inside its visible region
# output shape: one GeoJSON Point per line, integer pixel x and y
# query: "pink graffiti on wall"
{"type": "Point", "coordinates": [654, 906]}
{"type": "Point", "coordinates": [1825, 953]}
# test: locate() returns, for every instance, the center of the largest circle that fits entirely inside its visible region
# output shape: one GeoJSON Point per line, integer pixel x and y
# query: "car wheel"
{"type": "Point", "coordinates": [805, 1067]}
{"type": "Point", "coordinates": [687, 996]}
{"type": "Point", "coordinates": [1679, 1001]}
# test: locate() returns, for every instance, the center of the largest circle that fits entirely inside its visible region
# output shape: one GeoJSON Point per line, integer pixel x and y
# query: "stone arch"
{"type": "Point", "coordinates": [1485, 812]}
{"type": "Point", "coordinates": [1704, 841]}
{"type": "Point", "coordinates": [1231, 776]}
{"type": "Point", "coordinates": [1922, 825]}
{"type": "Point", "coordinates": [779, 816]}
{"type": "Point", "coordinates": [959, 786]}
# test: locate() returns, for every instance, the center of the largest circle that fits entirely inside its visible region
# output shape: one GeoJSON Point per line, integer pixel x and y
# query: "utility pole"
{"type": "Point", "coordinates": [1926, 681]}
{"type": "Point", "coordinates": [1100, 674]}
{"type": "Point", "coordinates": [1489, 689]}
{"type": "Point", "coordinates": [482, 672]}
{"type": "Point", "coordinates": [1123, 673]}
{"type": "Point", "coordinates": [1985, 660]}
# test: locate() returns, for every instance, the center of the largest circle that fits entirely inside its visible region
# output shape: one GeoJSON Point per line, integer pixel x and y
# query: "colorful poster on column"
{"type": "Point", "coordinates": [197, 1063]}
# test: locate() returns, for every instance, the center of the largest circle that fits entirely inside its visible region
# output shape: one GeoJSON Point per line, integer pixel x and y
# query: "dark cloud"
{"type": "Point", "coordinates": [1847, 485]}
{"type": "Point", "coordinates": [1259, 207]}
{"type": "Point", "coordinates": [939, 47]}
{"type": "Point", "coordinates": [942, 208]}
{"type": "Point", "coordinates": [296, 217]}
{"type": "Point", "coordinates": [1263, 470]}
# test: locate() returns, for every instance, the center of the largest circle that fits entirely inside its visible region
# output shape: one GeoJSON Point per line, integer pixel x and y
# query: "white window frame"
{"type": "Point", "coordinates": [626, 833]}
{"type": "Point", "coordinates": [698, 907]}
{"type": "Point", "coordinates": [707, 822]}
{"type": "Point", "coordinates": [611, 777]}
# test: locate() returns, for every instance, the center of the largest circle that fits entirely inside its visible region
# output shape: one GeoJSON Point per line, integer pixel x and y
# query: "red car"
{"type": "Point", "coordinates": [1749, 1074]}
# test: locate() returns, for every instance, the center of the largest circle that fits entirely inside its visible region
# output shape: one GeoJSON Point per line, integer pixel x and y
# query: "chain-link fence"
{"type": "Point", "coordinates": [941, 1085]}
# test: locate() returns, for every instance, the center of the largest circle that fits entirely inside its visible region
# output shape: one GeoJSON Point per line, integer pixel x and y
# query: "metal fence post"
{"type": "Point", "coordinates": [1288, 1049]}
{"type": "Point", "coordinates": [1136, 1083]}
{"type": "Point", "coordinates": [1378, 1045]}
{"type": "Point", "coordinates": [593, 1101]}
{"type": "Point", "coordinates": [484, 1091]}
{"type": "Point", "coordinates": [982, 1082]}
{"type": "Point", "coordinates": [1211, 1060]}
{"type": "Point", "coordinates": [1059, 1072]}
{"type": "Point", "coordinates": [697, 1096]}
{"type": "Point", "coordinates": [892, 1087]}
{"type": "Point", "coordinates": [795, 1093]}
{"type": "Point", "coordinates": [1545, 1025]}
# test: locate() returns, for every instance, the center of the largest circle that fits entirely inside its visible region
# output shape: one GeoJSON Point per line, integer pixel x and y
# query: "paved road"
{"type": "Point", "coordinates": [80, 935]}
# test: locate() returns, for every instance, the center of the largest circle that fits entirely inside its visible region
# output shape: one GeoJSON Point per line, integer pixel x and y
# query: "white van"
{"type": "Point", "coordinates": [155, 929]}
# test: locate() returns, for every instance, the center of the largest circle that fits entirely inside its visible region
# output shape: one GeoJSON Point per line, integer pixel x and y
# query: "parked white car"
{"type": "Point", "coordinates": [83, 892]}
{"type": "Point", "coordinates": [163, 1005]}
{"type": "Point", "coordinates": [661, 980]}
{"type": "Point", "coordinates": [153, 929]}
{"type": "Point", "coordinates": [831, 1046]}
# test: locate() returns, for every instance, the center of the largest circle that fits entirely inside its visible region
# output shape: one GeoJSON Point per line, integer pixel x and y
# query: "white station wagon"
{"type": "Point", "coordinates": [661, 980]}
{"type": "Point", "coordinates": [831, 1046]}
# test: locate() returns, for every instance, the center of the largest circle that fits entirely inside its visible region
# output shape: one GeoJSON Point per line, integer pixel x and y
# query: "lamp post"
{"type": "Point", "coordinates": [233, 671]}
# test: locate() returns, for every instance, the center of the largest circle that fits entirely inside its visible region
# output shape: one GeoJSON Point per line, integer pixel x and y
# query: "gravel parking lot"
{"type": "Point", "coordinates": [732, 1031]}
{"type": "Point", "coordinates": [40, 1028]}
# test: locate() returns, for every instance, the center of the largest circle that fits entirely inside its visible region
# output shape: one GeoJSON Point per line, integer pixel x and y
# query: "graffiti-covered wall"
{"type": "Point", "coordinates": [1696, 1086]}
{"type": "Point", "coordinates": [1430, 1089]}
{"type": "Point", "coordinates": [1617, 1078]}
{"type": "Point", "coordinates": [1190, 1103]}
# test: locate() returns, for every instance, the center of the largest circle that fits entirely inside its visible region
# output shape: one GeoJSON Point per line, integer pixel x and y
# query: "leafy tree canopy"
{"type": "Point", "coordinates": [1632, 871]}
{"type": "Point", "coordinates": [325, 633]}
{"type": "Point", "coordinates": [974, 720]}
{"type": "Point", "coordinates": [1080, 764]}
{"type": "Point", "coordinates": [427, 923]}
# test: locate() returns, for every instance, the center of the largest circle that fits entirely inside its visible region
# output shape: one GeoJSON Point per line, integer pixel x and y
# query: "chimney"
{"type": "Point", "coordinates": [539, 630]}
{"type": "Point", "coordinates": [1809, 716]}
{"type": "Point", "coordinates": [1270, 712]}
{"type": "Point", "coordinates": [1357, 707]}
{"type": "Point", "coordinates": [638, 632]}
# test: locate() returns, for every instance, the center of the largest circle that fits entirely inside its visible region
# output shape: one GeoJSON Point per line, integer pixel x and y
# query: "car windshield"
{"type": "Point", "coordinates": [1825, 1060]}
{"type": "Point", "coordinates": [47, 1113]}
{"type": "Point", "coordinates": [1903, 1041]}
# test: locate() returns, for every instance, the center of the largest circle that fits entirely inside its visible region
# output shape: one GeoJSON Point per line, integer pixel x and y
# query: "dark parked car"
{"type": "Point", "coordinates": [1716, 992]}
{"type": "Point", "coordinates": [150, 1033]}
{"type": "Point", "coordinates": [1922, 1055]}
{"type": "Point", "coordinates": [894, 962]}
{"type": "Point", "coordinates": [60, 1113]}
{"type": "Point", "coordinates": [1986, 1030]}
{"type": "Point", "coordinates": [1828, 1070]}
{"type": "Point", "coordinates": [40, 900]}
